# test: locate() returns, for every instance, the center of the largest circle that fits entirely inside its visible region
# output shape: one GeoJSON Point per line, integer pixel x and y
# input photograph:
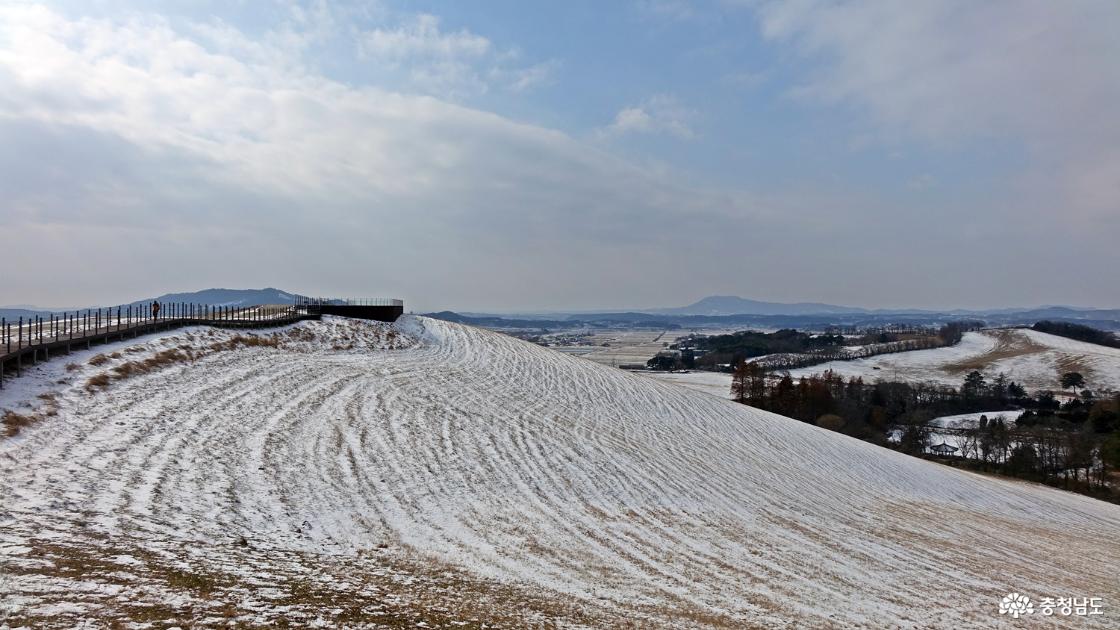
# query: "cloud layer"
{"type": "Point", "coordinates": [143, 153]}
{"type": "Point", "coordinates": [1043, 74]}
{"type": "Point", "coordinates": [211, 158]}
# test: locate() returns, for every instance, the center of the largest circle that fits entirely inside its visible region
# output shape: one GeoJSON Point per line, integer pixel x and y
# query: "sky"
{"type": "Point", "coordinates": [504, 155]}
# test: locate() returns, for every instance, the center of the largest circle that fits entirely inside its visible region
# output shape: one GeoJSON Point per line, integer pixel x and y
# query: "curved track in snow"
{"type": "Point", "coordinates": [402, 469]}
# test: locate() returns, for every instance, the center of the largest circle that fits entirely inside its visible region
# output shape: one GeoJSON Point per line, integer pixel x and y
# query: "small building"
{"type": "Point", "coordinates": [380, 309]}
{"type": "Point", "coordinates": [943, 449]}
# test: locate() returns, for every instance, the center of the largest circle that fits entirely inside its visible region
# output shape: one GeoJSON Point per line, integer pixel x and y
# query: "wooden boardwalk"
{"type": "Point", "coordinates": [31, 341]}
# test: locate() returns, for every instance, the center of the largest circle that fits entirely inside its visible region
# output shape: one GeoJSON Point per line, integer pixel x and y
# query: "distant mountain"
{"type": "Point", "coordinates": [13, 314]}
{"type": "Point", "coordinates": [733, 305]}
{"type": "Point", "coordinates": [1059, 312]}
{"type": "Point", "coordinates": [228, 297]}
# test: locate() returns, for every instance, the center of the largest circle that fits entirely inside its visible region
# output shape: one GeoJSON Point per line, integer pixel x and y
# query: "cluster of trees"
{"type": "Point", "coordinates": [864, 410]}
{"type": "Point", "coordinates": [1078, 332]}
{"type": "Point", "coordinates": [1074, 444]}
{"type": "Point", "coordinates": [747, 344]}
{"type": "Point", "coordinates": [789, 349]}
{"type": "Point", "coordinates": [846, 353]}
{"type": "Point", "coordinates": [952, 332]}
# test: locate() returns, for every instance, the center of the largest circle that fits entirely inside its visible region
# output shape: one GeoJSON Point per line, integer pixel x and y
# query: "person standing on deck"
{"type": "Point", "coordinates": [155, 310]}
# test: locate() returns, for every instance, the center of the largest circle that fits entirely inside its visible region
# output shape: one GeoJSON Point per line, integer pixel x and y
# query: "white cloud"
{"type": "Point", "coordinates": [147, 153]}
{"type": "Point", "coordinates": [422, 38]}
{"type": "Point", "coordinates": [661, 114]}
{"type": "Point", "coordinates": [450, 64]}
{"type": "Point", "coordinates": [522, 79]}
{"type": "Point", "coordinates": [174, 156]}
{"type": "Point", "coordinates": [1038, 73]}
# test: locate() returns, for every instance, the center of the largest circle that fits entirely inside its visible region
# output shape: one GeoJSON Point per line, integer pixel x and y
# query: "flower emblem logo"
{"type": "Point", "coordinates": [1016, 605]}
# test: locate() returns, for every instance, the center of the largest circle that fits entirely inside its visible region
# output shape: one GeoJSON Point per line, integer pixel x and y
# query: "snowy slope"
{"type": "Point", "coordinates": [714, 383]}
{"type": "Point", "coordinates": [433, 473]}
{"type": "Point", "coordinates": [1034, 359]}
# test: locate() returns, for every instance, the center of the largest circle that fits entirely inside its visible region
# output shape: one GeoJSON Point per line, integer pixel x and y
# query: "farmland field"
{"type": "Point", "coordinates": [1033, 359]}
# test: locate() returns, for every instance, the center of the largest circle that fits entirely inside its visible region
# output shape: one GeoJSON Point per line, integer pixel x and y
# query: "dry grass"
{"type": "Point", "coordinates": [98, 360]}
{"type": "Point", "coordinates": [246, 341]}
{"type": "Point", "coordinates": [73, 367]}
{"type": "Point", "coordinates": [161, 359]}
{"type": "Point", "coordinates": [14, 422]}
{"type": "Point", "coordinates": [1009, 344]}
{"type": "Point", "coordinates": [301, 334]}
{"type": "Point", "coordinates": [97, 381]}
{"type": "Point", "coordinates": [180, 354]}
{"type": "Point", "coordinates": [377, 591]}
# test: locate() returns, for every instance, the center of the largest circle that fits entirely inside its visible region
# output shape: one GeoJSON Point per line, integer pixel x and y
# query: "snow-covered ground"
{"type": "Point", "coordinates": [972, 420]}
{"type": "Point", "coordinates": [1034, 359]}
{"type": "Point", "coordinates": [714, 383]}
{"type": "Point", "coordinates": [429, 474]}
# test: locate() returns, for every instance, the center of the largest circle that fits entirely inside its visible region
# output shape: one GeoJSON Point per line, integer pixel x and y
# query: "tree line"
{"type": "Point", "coordinates": [1075, 444]}
{"type": "Point", "coordinates": [1078, 332]}
{"type": "Point", "coordinates": [788, 349]}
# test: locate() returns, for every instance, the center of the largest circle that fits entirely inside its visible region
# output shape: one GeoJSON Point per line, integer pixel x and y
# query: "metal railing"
{"type": "Point", "coordinates": [57, 327]}
{"type": "Point", "coordinates": [30, 335]}
{"type": "Point", "coordinates": [320, 301]}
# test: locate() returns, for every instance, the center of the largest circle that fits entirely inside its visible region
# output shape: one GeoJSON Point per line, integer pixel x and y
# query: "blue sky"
{"type": "Point", "coordinates": [510, 155]}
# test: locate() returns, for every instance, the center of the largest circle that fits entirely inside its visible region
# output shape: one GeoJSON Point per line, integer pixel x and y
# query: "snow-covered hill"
{"type": "Point", "coordinates": [1034, 359]}
{"type": "Point", "coordinates": [429, 473]}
